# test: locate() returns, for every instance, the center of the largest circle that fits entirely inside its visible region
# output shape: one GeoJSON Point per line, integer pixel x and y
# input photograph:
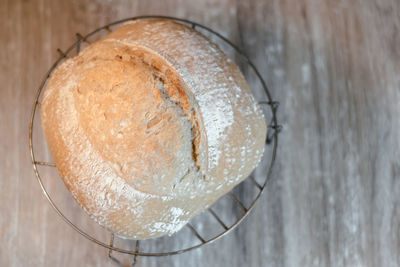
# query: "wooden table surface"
{"type": "Point", "coordinates": [334, 197]}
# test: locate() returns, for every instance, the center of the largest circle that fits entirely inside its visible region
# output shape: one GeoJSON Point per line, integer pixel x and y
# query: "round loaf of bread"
{"type": "Point", "coordinates": [150, 126]}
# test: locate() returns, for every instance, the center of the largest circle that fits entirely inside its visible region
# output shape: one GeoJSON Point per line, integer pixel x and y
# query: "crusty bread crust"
{"type": "Point", "coordinates": [151, 125]}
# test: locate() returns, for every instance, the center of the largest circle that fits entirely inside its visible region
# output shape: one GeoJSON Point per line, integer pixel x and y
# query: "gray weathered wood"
{"type": "Point", "coordinates": [335, 192]}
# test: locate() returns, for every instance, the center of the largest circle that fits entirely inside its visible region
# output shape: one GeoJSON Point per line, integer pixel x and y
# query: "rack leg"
{"type": "Point", "coordinates": [110, 252]}
{"type": "Point", "coordinates": [115, 259]}
{"type": "Point", "coordinates": [135, 256]}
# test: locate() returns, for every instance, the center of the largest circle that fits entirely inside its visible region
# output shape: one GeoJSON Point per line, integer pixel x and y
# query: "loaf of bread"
{"type": "Point", "coordinates": [149, 126]}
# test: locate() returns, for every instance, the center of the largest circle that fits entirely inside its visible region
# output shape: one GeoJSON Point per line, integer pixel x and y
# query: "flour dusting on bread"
{"type": "Point", "coordinates": [151, 125]}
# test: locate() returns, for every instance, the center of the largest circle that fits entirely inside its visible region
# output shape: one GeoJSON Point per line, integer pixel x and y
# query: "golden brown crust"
{"type": "Point", "coordinates": [149, 126]}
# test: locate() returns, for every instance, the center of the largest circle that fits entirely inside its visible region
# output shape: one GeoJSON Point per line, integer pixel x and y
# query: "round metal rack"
{"type": "Point", "coordinates": [269, 107]}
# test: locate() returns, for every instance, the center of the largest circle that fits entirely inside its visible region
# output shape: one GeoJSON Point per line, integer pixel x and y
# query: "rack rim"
{"type": "Point", "coordinates": [273, 125]}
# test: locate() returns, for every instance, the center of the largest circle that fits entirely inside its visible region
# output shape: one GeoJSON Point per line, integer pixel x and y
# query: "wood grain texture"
{"type": "Point", "coordinates": [335, 191]}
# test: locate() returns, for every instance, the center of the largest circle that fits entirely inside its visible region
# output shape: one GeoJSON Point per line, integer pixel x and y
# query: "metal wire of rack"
{"type": "Point", "coordinates": [271, 143]}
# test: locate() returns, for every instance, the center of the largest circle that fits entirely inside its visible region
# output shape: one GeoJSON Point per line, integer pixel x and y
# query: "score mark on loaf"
{"type": "Point", "coordinates": [150, 126]}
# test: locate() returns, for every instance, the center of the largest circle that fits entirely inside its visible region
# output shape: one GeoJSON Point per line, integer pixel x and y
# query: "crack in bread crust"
{"type": "Point", "coordinates": [177, 96]}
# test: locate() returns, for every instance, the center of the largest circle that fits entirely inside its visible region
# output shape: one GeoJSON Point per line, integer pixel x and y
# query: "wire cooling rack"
{"type": "Point", "coordinates": [238, 209]}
